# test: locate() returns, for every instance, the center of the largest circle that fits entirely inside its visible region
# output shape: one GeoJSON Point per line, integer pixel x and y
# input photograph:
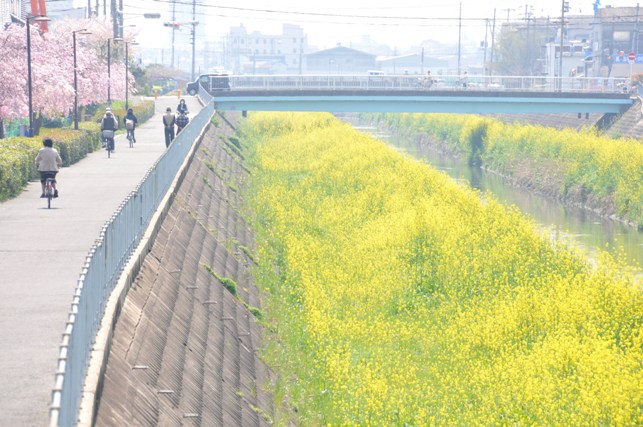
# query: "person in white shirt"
{"type": "Point", "coordinates": [48, 162]}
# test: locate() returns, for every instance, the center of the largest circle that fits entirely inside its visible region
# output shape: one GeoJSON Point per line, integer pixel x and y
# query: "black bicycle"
{"type": "Point", "coordinates": [108, 141]}
{"type": "Point", "coordinates": [130, 137]}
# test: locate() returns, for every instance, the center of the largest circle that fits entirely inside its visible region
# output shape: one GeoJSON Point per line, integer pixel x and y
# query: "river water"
{"type": "Point", "coordinates": [577, 226]}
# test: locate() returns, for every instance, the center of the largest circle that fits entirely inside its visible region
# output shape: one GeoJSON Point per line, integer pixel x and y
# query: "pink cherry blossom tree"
{"type": "Point", "coordinates": [53, 68]}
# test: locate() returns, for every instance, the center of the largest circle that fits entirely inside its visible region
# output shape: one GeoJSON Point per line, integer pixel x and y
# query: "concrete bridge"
{"type": "Point", "coordinates": [414, 94]}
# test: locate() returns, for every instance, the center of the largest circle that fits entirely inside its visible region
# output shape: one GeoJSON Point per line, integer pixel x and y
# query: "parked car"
{"type": "Point", "coordinates": [211, 82]}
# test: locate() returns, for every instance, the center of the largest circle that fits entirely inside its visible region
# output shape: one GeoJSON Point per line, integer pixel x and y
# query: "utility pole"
{"type": "Point", "coordinates": [459, 37]}
{"type": "Point", "coordinates": [564, 8]}
{"type": "Point", "coordinates": [194, 23]}
{"type": "Point", "coordinates": [119, 13]}
{"type": "Point", "coordinates": [493, 42]}
{"type": "Point", "coordinates": [484, 60]}
{"type": "Point", "coordinates": [173, 32]}
{"type": "Point", "coordinates": [635, 39]}
{"type": "Point", "coordinates": [527, 42]}
{"type": "Point", "coordinates": [421, 62]}
{"type": "Point", "coordinates": [114, 19]}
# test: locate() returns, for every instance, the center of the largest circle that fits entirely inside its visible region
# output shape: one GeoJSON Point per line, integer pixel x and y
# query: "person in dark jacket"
{"type": "Point", "coordinates": [182, 107]}
{"type": "Point", "coordinates": [182, 121]}
{"type": "Point", "coordinates": [108, 127]}
{"type": "Point", "coordinates": [168, 122]}
{"type": "Point", "coordinates": [130, 123]}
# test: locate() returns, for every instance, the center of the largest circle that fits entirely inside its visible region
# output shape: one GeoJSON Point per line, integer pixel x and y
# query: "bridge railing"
{"type": "Point", "coordinates": [118, 238]}
{"type": "Point", "coordinates": [438, 82]}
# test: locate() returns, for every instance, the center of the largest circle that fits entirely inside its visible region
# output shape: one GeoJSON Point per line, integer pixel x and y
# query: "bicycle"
{"type": "Point", "coordinates": [50, 191]}
{"type": "Point", "coordinates": [108, 139]}
{"type": "Point", "coordinates": [130, 137]}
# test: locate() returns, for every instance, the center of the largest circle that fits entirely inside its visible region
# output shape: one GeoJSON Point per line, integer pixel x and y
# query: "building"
{"type": "Point", "coordinates": [412, 64]}
{"type": "Point", "coordinates": [597, 46]}
{"type": "Point", "coordinates": [616, 34]}
{"type": "Point", "coordinates": [10, 8]}
{"type": "Point", "coordinates": [340, 60]}
{"type": "Point", "coordinates": [257, 53]}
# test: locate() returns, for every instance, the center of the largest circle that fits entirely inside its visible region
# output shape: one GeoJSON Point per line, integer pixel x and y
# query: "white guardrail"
{"type": "Point", "coordinates": [118, 238]}
{"type": "Point", "coordinates": [419, 82]}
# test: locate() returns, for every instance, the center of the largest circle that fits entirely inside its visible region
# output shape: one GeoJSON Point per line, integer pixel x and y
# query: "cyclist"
{"type": "Point", "coordinates": [182, 121]}
{"type": "Point", "coordinates": [182, 107]}
{"type": "Point", "coordinates": [130, 124]}
{"type": "Point", "coordinates": [48, 162]}
{"type": "Point", "coordinates": [108, 126]}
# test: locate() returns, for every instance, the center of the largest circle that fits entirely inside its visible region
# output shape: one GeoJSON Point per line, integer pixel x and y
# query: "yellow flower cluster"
{"type": "Point", "coordinates": [601, 169]}
{"type": "Point", "coordinates": [399, 297]}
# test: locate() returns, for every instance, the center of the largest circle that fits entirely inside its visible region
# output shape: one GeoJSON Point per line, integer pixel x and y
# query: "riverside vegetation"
{"type": "Point", "coordinates": [580, 167]}
{"type": "Point", "coordinates": [395, 296]}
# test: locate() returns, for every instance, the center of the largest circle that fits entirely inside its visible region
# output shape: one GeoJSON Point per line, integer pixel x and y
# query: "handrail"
{"type": "Point", "coordinates": [396, 82]}
{"type": "Point", "coordinates": [103, 265]}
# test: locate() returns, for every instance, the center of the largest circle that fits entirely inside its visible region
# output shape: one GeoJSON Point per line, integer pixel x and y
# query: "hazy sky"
{"type": "Point", "coordinates": [399, 23]}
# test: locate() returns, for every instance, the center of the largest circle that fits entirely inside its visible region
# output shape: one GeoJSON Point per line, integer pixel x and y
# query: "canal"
{"type": "Point", "coordinates": [576, 226]}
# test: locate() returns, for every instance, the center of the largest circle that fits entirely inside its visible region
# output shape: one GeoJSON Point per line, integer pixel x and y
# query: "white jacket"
{"type": "Point", "coordinates": [48, 160]}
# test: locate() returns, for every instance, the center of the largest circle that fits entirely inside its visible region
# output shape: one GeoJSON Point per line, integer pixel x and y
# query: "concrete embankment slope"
{"type": "Point", "coordinates": [628, 124]}
{"type": "Point", "coordinates": [184, 349]}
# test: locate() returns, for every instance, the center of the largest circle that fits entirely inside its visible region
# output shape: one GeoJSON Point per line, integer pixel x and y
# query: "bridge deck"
{"type": "Point", "coordinates": [418, 100]}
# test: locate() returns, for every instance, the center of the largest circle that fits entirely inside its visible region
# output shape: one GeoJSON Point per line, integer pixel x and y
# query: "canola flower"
{"type": "Point", "coordinates": [398, 297]}
{"type": "Point", "coordinates": [588, 168]}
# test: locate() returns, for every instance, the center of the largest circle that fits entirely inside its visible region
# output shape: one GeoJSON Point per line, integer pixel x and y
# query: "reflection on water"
{"type": "Point", "coordinates": [583, 228]}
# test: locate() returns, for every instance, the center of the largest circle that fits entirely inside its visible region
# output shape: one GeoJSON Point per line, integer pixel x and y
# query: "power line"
{"type": "Point", "coordinates": [380, 20]}
{"type": "Point", "coordinates": [319, 14]}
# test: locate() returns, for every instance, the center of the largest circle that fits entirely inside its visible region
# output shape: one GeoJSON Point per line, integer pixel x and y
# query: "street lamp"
{"type": "Point", "coordinates": [29, 83]}
{"type": "Point", "coordinates": [109, 69]}
{"type": "Point", "coordinates": [83, 31]}
{"type": "Point", "coordinates": [127, 73]}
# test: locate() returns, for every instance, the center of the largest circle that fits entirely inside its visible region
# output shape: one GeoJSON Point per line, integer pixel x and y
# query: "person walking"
{"type": "Point", "coordinates": [428, 80]}
{"type": "Point", "coordinates": [169, 120]}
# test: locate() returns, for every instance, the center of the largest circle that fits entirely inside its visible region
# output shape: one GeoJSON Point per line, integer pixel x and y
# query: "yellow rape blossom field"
{"type": "Point", "coordinates": [397, 297]}
{"type": "Point", "coordinates": [588, 168]}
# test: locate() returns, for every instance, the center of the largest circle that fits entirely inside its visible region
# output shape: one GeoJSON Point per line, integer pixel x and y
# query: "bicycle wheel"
{"type": "Point", "coordinates": [48, 193]}
{"type": "Point", "coordinates": [131, 140]}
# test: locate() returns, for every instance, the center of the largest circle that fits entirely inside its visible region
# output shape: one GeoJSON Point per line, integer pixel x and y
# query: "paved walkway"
{"type": "Point", "coordinates": [41, 254]}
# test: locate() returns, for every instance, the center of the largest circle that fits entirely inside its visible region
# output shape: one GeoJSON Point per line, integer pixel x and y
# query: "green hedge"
{"type": "Point", "coordinates": [143, 111]}
{"type": "Point", "coordinates": [17, 154]}
{"type": "Point", "coordinates": [16, 164]}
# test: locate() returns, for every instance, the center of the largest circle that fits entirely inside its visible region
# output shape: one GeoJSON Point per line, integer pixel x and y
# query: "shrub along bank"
{"type": "Point", "coordinates": [17, 154]}
{"type": "Point", "coordinates": [579, 167]}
